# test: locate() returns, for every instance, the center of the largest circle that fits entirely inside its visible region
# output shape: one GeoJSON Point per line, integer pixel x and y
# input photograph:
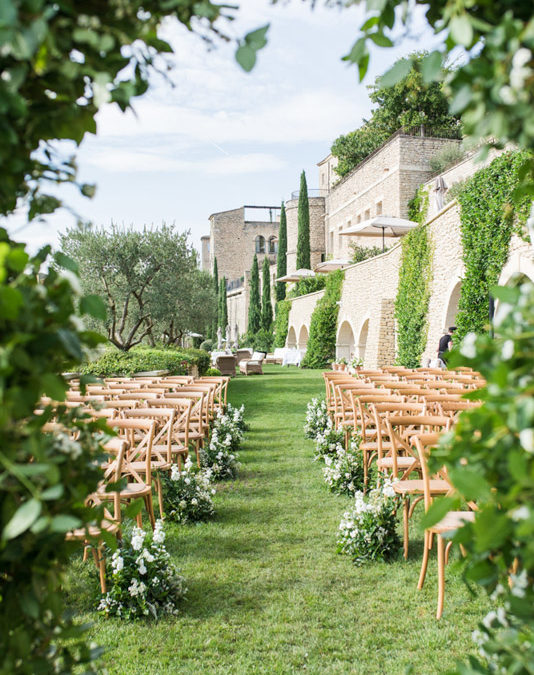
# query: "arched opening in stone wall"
{"type": "Point", "coordinates": [303, 338]}
{"type": "Point", "coordinates": [362, 341]}
{"type": "Point", "coordinates": [260, 244]}
{"type": "Point", "coordinates": [345, 342]}
{"type": "Point", "coordinates": [291, 338]}
{"type": "Point", "coordinates": [452, 306]}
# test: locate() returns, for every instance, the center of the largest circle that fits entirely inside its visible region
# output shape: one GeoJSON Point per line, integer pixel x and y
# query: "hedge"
{"type": "Point", "coordinates": [281, 322]}
{"type": "Point", "coordinates": [177, 361]}
{"type": "Point", "coordinates": [321, 349]}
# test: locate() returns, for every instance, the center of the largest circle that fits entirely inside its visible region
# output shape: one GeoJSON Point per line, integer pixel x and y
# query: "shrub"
{"type": "Point", "coordinates": [220, 454]}
{"type": "Point", "coordinates": [448, 155]}
{"type": "Point", "coordinates": [281, 322]}
{"type": "Point", "coordinates": [206, 346]}
{"type": "Point", "coordinates": [260, 341]}
{"type": "Point", "coordinates": [328, 443]}
{"type": "Point", "coordinates": [188, 494]}
{"type": "Point", "coordinates": [317, 418]}
{"type": "Point", "coordinates": [213, 372]}
{"type": "Point", "coordinates": [144, 581]}
{"type": "Point", "coordinates": [322, 340]}
{"type": "Point", "coordinates": [368, 531]}
{"type": "Point", "coordinates": [177, 361]}
{"type": "Point", "coordinates": [309, 285]}
{"type": "Point", "coordinates": [41, 335]}
{"type": "Point", "coordinates": [343, 472]}
{"type": "Point", "coordinates": [360, 253]}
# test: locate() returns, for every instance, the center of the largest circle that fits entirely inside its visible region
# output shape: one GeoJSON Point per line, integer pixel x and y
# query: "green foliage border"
{"type": "Point", "coordinates": [321, 349]}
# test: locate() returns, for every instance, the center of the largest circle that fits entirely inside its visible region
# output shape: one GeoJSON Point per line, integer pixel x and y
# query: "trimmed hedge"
{"type": "Point", "coordinates": [177, 361]}
{"type": "Point", "coordinates": [281, 322]}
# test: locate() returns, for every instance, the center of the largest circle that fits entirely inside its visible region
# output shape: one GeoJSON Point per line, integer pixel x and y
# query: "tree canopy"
{"type": "Point", "coordinates": [281, 258]}
{"type": "Point", "coordinates": [266, 304]}
{"type": "Point", "coordinates": [149, 279]}
{"type": "Point", "coordinates": [303, 238]}
{"type": "Point", "coordinates": [408, 103]}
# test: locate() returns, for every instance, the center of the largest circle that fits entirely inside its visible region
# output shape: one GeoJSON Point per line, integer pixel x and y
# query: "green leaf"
{"type": "Point", "coordinates": [70, 341]}
{"type": "Point", "coordinates": [54, 386]}
{"type": "Point", "coordinates": [257, 39]}
{"type": "Point", "coordinates": [133, 509]}
{"type": "Point", "coordinates": [396, 73]}
{"type": "Point", "coordinates": [461, 99]}
{"type": "Point", "coordinates": [17, 259]}
{"type": "Point", "coordinates": [94, 306]}
{"type": "Point", "coordinates": [10, 302]}
{"type": "Point", "coordinates": [461, 30]}
{"type": "Point", "coordinates": [470, 483]}
{"type": "Point", "coordinates": [381, 40]}
{"type": "Point", "coordinates": [64, 523]}
{"type": "Point", "coordinates": [246, 57]}
{"type": "Point", "coordinates": [247, 52]}
{"type": "Point", "coordinates": [357, 52]}
{"type": "Point", "coordinates": [23, 519]}
{"type": "Point", "coordinates": [431, 67]}
{"type": "Point", "coordinates": [53, 492]}
{"type": "Point", "coordinates": [438, 510]}
{"type": "Point", "coordinates": [64, 261]}
{"type": "Point", "coordinates": [505, 294]}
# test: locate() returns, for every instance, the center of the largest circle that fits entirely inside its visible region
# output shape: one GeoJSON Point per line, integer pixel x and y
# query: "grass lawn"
{"type": "Point", "coordinates": [267, 591]}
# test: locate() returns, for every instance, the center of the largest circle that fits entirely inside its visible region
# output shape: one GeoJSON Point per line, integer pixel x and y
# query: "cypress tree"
{"type": "Point", "coordinates": [215, 322]}
{"type": "Point", "coordinates": [281, 259]}
{"type": "Point", "coordinates": [303, 241]}
{"type": "Point", "coordinates": [254, 308]}
{"type": "Point", "coordinates": [266, 306]}
{"type": "Point", "coordinates": [223, 307]}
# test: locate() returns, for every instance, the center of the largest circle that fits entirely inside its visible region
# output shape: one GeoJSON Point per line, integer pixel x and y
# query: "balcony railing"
{"type": "Point", "coordinates": [235, 283]}
{"type": "Point", "coordinates": [311, 193]}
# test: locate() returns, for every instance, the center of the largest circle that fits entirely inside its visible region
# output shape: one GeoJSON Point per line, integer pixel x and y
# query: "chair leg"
{"type": "Point", "coordinates": [424, 563]}
{"type": "Point", "coordinates": [150, 510]}
{"type": "Point", "coordinates": [405, 522]}
{"type": "Point", "coordinates": [160, 497]}
{"type": "Point", "coordinates": [102, 568]}
{"type": "Point", "coordinates": [441, 575]}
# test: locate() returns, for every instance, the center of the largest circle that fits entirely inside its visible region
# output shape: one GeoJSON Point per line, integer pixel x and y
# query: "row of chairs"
{"type": "Point", "coordinates": [157, 421]}
{"type": "Point", "coordinates": [398, 414]}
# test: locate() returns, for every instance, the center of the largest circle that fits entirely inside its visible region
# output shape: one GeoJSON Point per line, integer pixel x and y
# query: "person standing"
{"type": "Point", "coordinates": [445, 344]}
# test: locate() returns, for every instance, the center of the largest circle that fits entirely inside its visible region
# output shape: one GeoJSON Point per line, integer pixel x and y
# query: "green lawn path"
{"type": "Point", "coordinates": [267, 591]}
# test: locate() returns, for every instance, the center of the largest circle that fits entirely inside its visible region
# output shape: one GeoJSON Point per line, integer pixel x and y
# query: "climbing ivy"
{"type": "Point", "coordinates": [488, 218]}
{"type": "Point", "coordinates": [281, 322]}
{"type": "Point", "coordinates": [413, 294]}
{"type": "Point", "coordinates": [322, 341]}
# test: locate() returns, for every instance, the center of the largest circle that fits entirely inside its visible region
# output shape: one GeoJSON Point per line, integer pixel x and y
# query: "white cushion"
{"type": "Point", "coordinates": [257, 356]}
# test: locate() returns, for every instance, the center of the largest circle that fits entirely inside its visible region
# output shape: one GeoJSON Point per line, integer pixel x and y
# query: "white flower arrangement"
{"type": "Point", "coordinates": [220, 454]}
{"type": "Point", "coordinates": [328, 443]}
{"type": "Point", "coordinates": [343, 472]}
{"type": "Point", "coordinates": [188, 495]}
{"type": "Point", "coordinates": [317, 419]}
{"type": "Point", "coordinates": [368, 531]}
{"type": "Point", "coordinates": [144, 582]}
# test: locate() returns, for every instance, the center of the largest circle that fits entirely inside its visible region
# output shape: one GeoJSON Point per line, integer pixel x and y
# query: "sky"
{"type": "Point", "coordinates": [221, 138]}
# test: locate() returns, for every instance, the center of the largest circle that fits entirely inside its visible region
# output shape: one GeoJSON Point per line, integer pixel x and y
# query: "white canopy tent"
{"type": "Point", "coordinates": [331, 265]}
{"type": "Point", "coordinates": [387, 226]}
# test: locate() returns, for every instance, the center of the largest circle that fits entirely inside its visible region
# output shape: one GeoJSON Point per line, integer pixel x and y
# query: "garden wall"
{"type": "Point", "coordinates": [300, 318]}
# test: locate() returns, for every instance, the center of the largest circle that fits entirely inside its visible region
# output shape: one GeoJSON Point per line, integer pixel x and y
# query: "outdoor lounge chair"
{"type": "Point", "coordinates": [226, 364]}
{"type": "Point", "coordinates": [252, 365]}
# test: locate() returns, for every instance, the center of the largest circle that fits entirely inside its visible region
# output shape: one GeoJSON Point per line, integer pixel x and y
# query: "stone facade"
{"type": "Point", "coordinates": [317, 220]}
{"type": "Point", "coordinates": [300, 317]}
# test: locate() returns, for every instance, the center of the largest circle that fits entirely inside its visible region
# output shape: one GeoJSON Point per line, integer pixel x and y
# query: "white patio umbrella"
{"type": "Point", "coordinates": [388, 226]}
{"type": "Point", "coordinates": [331, 265]}
{"type": "Point", "coordinates": [297, 276]}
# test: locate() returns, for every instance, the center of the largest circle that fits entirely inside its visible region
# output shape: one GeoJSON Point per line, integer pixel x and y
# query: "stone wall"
{"type": "Point", "coordinates": [205, 258]}
{"type": "Point", "coordinates": [300, 317]}
{"type": "Point", "coordinates": [317, 220]}
{"type": "Point", "coordinates": [237, 302]}
{"type": "Point", "coordinates": [233, 242]}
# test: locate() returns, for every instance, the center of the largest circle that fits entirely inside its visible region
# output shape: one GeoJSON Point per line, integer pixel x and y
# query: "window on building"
{"type": "Point", "coordinates": [273, 245]}
{"type": "Point", "coordinates": [331, 243]}
{"type": "Point", "coordinates": [359, 218]}
{"type": "Point", "coordinates": [379, 208]}
{"type": "Point", "coordinates": [367, 214]}
{"type": "Point", "coordinates": [349, 223]}
{"type": "Point", "coordinates": [260, 244]}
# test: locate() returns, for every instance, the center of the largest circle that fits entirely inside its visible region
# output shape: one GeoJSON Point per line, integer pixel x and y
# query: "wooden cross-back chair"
{"type": "Point", "coordinates": [182, 428]}
{"type": "Point", "coordinates": [138, 396]}
{"type": "Point", "coordinates": [223, 381]}
{"type": "Point", "coordinates": [370, 444]}
{"type": "Point", "coordinates": [452, 521]}
{"type": "Point", "coordinates": [139, 433]}
{"type": "Point", "coordinates": [401, 430]}
{"type": "Point", "coordinates": [111, 522]}
{"type": "Point", "coordinates": [343, 409]}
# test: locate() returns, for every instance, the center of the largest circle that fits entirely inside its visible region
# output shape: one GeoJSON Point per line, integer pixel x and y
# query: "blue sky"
{"type": "Point", "coordinates": [221, 138]}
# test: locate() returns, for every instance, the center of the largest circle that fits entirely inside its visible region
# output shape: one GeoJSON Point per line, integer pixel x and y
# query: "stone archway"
{"type": "Point", "coordinates": [303, 338]}
{"type": "Point", "coordinates": [451, 307]}
{"type": "Point", "coordinates": [345, 341]}
{"type": "Point", "coordinates": [362, 340]}
{"type": "Point", "coordinates": [520, 264]}
{"type": "Point", "coordinates": [291, 338]}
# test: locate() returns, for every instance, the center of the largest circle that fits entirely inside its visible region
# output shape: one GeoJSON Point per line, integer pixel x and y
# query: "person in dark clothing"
{"type": "Point", "coordinates": [445, 343]}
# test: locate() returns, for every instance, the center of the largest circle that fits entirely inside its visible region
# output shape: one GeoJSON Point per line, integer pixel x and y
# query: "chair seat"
{"type": "Point", "coordinates": [402, 462]}
{"type": "Point", "coordinates": [131, 490]}
{"type": "Point", "coordinates": [437, 486]}
{"type": "Point", "coordinates": [80, 533]}
{"type": "Point", "coordinates": [372, 446]}
{"type": "Point", "coordinates": [452, 521]}
{"type": "Point", "coordinates": [155, 464]}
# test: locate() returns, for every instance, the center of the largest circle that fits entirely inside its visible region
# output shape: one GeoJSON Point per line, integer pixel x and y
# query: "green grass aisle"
{"type": "Point", "coordinates": [267, 591]}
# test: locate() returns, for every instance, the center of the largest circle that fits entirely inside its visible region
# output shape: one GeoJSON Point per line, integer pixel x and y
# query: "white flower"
{"type": "Point", "coordinates": [521, 513]}
{"type": "Point", "coordinates": [183, 504]}
{"type": "Point", "coordinates": [508, 95]}
{"type": "Point", "coordinates": [138, 537]}
{"type": "Point", "coordinates": [175, 472]}
{"type": "Point", "coordinates": [142, 567]}
{"type": "Point", "coordinates": [526, 438]}
{"type": "Point", "coordinates": [117, 563]}
{"type": "Point", "coordinates": [187, 481]}
{"type": "Point", "coordinates": [194, 501]}
{"type": "Point", "coordinates": [507, 350]}
{"type": "Point", "coordinates": [467, 348]}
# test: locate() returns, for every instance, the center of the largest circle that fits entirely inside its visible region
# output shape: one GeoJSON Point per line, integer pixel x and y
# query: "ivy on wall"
{"type": "Point", "coordinates": [488, 218]}
{"type": "Point", "coordinates": [413, 294]}
{"type": "Point", "coordinates": [321, 347]}
{"type": "Point", "coordinates": [281, 322]}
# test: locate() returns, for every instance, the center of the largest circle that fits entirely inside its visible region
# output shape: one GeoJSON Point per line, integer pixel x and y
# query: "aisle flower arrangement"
{"type": "Point", "coordinates": [144, 582]}
{"type": "Point", "coordinates": [367, 531]}
{"type": "Point", "coordinates": [220, 454]}
{"type": "Point", "coordinates": [188, 493]}
{"type": "Point", "coordinates": [317, 419]}
{"type": "Point", "coordinates": [328, 443]}
{"type": "Point", "coordinates": [343, 472]}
